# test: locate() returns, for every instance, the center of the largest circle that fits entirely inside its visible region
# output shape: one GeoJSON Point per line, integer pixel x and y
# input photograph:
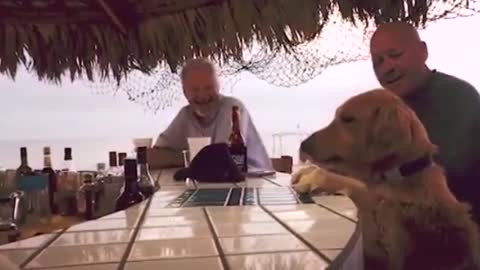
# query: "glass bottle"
{"type": "Point", "coordinates": [145, 181]}
{"type": "Point", "coordinates": [86, 197]}
{"type": "Point", "coordinates": [68, 184]}
{"type": "Point", "coordinates": [52, 179]}
{"type": "Point", "coordinates": [130, 193]}
{"type": "Point", "coordinates": [236, 146]}
{"type": "Point", "coordinates": [23, 169]}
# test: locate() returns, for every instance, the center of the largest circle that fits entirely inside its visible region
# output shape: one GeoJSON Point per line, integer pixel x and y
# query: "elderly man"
{"type": "Point", "coordinates": [448, 107]}
{"type": "Point", "coordinates": [207, 114]}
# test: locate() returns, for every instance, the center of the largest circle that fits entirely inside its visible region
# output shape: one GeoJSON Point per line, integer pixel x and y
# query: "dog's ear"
{"type": "Point", "coordinates": [395, 130]}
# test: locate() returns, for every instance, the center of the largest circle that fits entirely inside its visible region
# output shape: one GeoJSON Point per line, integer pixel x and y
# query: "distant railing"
{"type": "Point", "coordinates": [287, 143]}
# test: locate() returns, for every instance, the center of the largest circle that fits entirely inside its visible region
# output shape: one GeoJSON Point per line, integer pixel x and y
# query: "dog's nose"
{"type": "Point", "coordinates": [304, 151]}
{"type": "Point", "coordinates": [306, 146]}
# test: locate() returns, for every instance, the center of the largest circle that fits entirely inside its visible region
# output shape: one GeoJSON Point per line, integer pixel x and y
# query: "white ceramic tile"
{"type": "Point", "coordinates": [186, 212]}
{"type": "Point", "coordinates": [166, 198]}
{"type": "Point", "coordinates": [162, 194]}
{"type": "Point", "coordinates": [177, 248]}
{"type": "Point", "coordinates": [277, 261]}
{"type": "Point", "coordinates": [93, 237]}
{"type": "Point", "coordinates": [283, 179]}
{"type": "Point", "coordinates": [256, 182]}
{"type": "Point", "coordinates": [207, 263]}
{"type": "Point", "coordinates": [337, 203]}
{"type": "Point", "coordinates": [291, 207]}
{"type": "Point", "coordinates": [17, 256]}
{"type": "Point", "coordinates": [108, 224]}
{"type": "Point", "coordinates": [173, 221]}
{"type": "Point", "coordinates": [261, 243]}
{"type": "Point", "coordinates": [234, 209]}
{"type": "Point", "coordinates": [330, 237]}
{"type": "Point", "coordinates": [340, 204]}
{"type": "Point", "coordinates": [158, 205]}
{"type": "Point", "coordinates": [33, 242]}
{"type": "Point", "coordinates": [108, 266]}
{"type": "Point", "coordinates": [331, 253]}
{"type": "Point", "coordinates": [321, 225]}
{"type": "Point", "coordinates": [133, 214]}
{"type": "Point", "coordinates": [244, 229]}
{"type": "Point", "coordinates": [174, 232]}
{"type": "Point", "coordinates": [306, 214]}
{"type": "Point", "coordinates": [238, 215]}
{"type": "Point", "coordinates": [351, 213]}
{"type": "Point", "coordinates": [77, 255]}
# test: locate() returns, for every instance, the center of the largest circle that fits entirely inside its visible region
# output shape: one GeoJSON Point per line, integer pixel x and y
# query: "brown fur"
{"type": "Point", "coordinates": [416, 223]}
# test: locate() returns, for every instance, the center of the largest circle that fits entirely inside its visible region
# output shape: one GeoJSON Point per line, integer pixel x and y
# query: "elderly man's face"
{"type": "Point", "coordinates": [200, 87]}
{"type": "Point", "coordinates": [398, 61]}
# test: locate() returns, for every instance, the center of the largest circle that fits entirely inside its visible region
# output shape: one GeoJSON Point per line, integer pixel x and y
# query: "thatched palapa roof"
{"type": "Point", "coordinates": [53, 37]}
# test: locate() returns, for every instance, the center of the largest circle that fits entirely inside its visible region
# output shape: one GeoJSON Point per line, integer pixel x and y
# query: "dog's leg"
{"type": "Point", "coordinates": [314, 178]}
{"type": "Point", "coordinates": [397, 248]}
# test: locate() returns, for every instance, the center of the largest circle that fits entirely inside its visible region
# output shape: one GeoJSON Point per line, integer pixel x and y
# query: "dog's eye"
{"type": "Point", "coordinates": [347, 119]}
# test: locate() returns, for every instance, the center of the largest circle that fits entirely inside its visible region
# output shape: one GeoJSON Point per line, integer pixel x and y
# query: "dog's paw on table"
{"type": "Point", "coordinates": [308, 179]}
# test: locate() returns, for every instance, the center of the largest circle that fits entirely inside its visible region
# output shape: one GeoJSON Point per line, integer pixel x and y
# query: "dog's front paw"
{"type": "Point", "coordinates": [308, 179]}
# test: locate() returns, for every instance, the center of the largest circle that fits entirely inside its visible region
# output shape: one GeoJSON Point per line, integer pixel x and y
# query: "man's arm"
{"type": "Point", "coordinates": [167, 151]}
{"type": "Point", "coordinates": [164, 157]}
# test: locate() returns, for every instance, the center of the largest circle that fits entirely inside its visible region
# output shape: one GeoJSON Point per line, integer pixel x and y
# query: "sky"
{"type": "Point", "coordinates": [31, 109]}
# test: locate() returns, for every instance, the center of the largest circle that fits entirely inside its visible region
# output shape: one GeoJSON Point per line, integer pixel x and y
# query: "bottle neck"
{"type": "Point", "coordinates": [24, 161]}
{"type": "Point", "coordinates": [143, 169]}
{"type": "Point", "coordinates": [112, 159]}
{"type": "Point", "coordinates": [236, 135]}
{"type": "Point", "coordinates": [235, 123]}
{"type": "Point", "coordinates": [68, 165]}
{"type": "Point", "coordinates": [47, 161]}
{"type": "Point", "coordinates": [131, 183]}
{"type": "Point", "coordinates": [23, 157]}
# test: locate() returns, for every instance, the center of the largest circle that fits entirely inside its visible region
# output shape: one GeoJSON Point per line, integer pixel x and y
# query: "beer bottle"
{"type": "Point", "coordinates": [237, 147]}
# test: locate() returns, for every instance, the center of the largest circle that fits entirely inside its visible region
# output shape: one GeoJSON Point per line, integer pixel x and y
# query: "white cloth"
{"type": "Point", "coordinates": [185, 125]}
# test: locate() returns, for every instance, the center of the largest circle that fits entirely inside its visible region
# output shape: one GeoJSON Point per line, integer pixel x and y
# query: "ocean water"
{"type": "Point", "coordinates": [90, 151]}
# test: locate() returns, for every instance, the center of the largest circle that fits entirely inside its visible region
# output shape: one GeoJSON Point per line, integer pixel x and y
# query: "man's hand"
{"type": "Point", "coordinates": [161, 158]}
{"type": "Point", "coordinates": [309, 179]}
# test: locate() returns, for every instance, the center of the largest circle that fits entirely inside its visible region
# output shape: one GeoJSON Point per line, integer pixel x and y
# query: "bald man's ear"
{"type": "Point", "coordinates": [424, 50]}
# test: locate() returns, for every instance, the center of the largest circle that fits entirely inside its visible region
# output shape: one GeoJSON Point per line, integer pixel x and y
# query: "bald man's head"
{"type": "Point", "coordinates": [399, 57]}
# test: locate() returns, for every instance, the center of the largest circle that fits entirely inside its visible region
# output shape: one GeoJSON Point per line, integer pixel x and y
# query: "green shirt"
{"type": "Point", "coordinates": [449, 108]}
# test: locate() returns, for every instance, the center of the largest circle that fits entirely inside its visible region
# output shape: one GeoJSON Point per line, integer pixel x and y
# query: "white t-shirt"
{"type": "Point", "coordinates": [185, 125]}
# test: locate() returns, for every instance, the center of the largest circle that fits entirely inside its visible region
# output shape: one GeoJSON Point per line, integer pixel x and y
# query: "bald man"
{"type": "Point", "coordinates": [448, 106]}
{"type": "Point", "coordinates": [208, 114]}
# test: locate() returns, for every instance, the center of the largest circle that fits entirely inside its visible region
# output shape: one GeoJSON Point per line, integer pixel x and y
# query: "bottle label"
{"type": "Point", "coordinates": [240, 162]}
{"type": "Point", "coordinates": [69, 181]}
{"type": "Point", "coordinates": [32, 182]}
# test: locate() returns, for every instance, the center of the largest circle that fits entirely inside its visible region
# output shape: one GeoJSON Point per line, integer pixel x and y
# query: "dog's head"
{"type": "Point", "coordinates": [372, 129]}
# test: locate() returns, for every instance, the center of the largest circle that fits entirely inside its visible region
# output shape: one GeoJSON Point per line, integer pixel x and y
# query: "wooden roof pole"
{"type": "Point", "coordinates": [120, 13]}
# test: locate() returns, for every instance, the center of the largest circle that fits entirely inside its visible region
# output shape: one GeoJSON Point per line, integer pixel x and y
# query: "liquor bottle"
{"type": "Point", "coordinates": [237, 147]}
{"type": "Point", "coordinates": [86, 198]}
{"type": "Point", "coordinates": [23, 169]}
{"type": "Point", "coordinates": [145, 180]}
{"type": "Point", "coordinates": [68, 184]}
{"type": "Point", "coordinates": [130, 193]}
{"type": "Point", "coordinates": [52, 179]}
{"type": "Point", "coordinates": [100, 185]}
{"type": "Point", "coordinates": [121, 158]}
{"type": "Point", "coordinates": [112, 161]}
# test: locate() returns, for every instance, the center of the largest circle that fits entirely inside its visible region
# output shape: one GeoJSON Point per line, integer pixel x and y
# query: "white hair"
{"type": "Point", "coordinates": [196, 64]}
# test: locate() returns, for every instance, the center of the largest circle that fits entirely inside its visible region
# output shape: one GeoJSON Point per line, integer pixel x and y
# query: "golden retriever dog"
{"type": "Point", "coordinates": [377, 152]}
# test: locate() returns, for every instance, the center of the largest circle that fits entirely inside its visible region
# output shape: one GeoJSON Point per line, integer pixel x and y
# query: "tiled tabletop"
{"type": "Point", "coordinates": [150, 236]}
